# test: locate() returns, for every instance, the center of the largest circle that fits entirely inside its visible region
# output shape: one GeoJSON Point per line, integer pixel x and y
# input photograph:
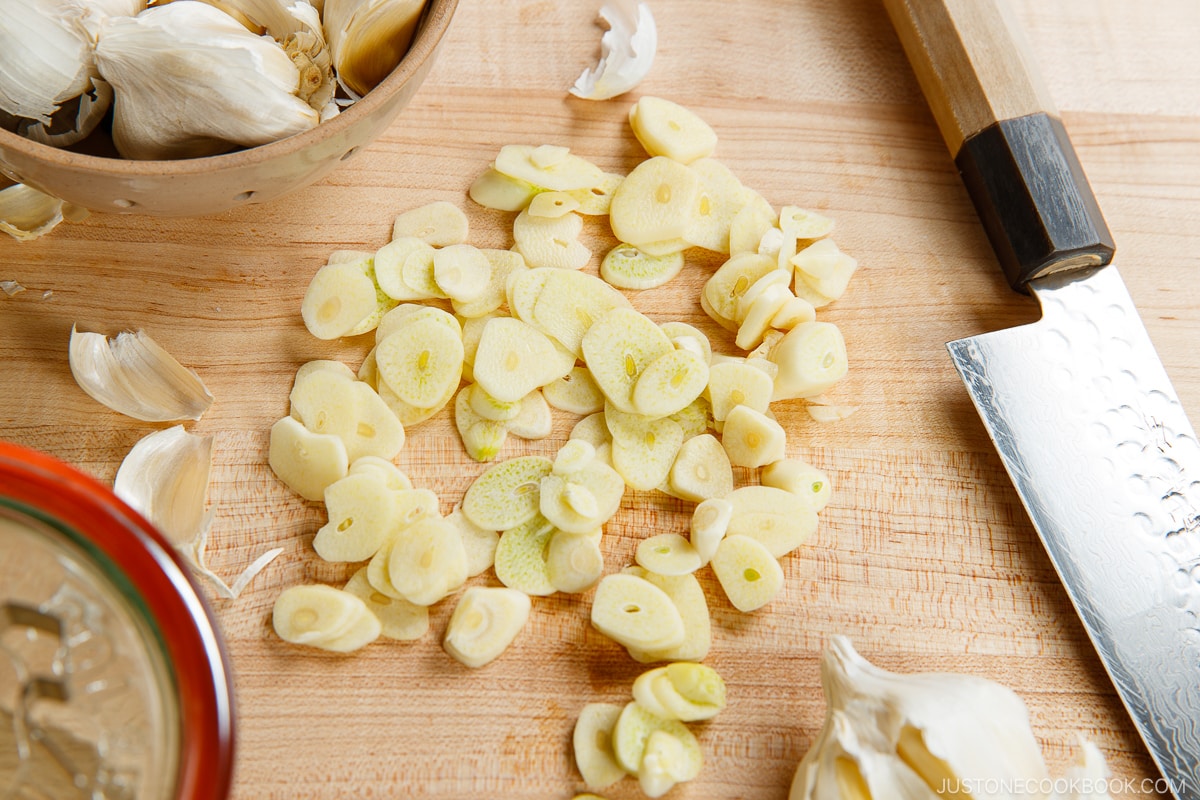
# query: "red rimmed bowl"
{"type": "Point", "coordinates": [200, 186]}
{"type": "Point", "coordinates": [113, 677]}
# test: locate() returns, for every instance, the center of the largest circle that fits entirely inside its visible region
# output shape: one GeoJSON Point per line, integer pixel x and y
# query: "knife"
{"type": "Point", "coordinates": [1078, 404]}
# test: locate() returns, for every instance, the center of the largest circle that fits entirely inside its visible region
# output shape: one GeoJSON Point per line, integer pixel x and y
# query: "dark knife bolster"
{"type": "Point", "coordinates": [1033, 198]}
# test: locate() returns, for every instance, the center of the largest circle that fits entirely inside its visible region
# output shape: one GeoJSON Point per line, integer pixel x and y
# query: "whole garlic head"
{"type": "Point", "coordinates": [921, 737]}
{"type": "Point", "coordinates": [50, 90]}
{"type": "Point", "coordinates": [191, 81]}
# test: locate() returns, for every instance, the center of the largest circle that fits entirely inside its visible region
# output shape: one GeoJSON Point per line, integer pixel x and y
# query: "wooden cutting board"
{"type": "Point", "coordinates": [924, 558]}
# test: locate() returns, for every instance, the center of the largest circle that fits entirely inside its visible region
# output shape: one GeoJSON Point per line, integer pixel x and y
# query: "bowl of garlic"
{"type": "Point", "coordinates": [192, 107]}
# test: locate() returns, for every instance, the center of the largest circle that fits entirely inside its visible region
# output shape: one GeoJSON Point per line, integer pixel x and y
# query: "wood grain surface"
{"type": "Point", "coordinates": [925, 557]}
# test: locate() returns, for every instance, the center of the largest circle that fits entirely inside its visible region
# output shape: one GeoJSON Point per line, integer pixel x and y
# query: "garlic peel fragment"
{"type": "Point", "coordinates": [627, 51]}
{"type": "Point", "coordinates": [133, 375]}
{"type": "Point", "coordinates": [27, 214]}
{"type": "Point", "coordinates": [165, 479]}
{"type": "Point", "coordinates": [919, 736]}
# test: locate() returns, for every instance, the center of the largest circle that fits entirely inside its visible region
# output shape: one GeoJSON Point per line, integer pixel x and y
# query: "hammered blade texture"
{"type": "Point", "coordinates": [1108, 467]}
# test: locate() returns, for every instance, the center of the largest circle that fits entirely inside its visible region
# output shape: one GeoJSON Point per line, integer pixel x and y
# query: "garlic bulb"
{"type": "Point", "coordinates": [296, 25]}
{"type": "Point", "coordinates": [368, 38]}
{"type": "Point", "coordinates": [924, 736]}
{"type": "Point", "coordinates": [191, 81]}
{"type": "Point", "coordinates": [133, 375]}
{"type": "Point", "coordinates": [627, 51]}
{"type": "Point", "coordinates": [49, 88]}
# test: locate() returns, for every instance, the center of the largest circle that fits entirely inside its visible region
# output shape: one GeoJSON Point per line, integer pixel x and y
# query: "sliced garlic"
{"type": "Point", "coordinates": [131, 374]}
{"type": "Point", "coordinates": [917, 736]}
{"type": "Point", "coordinates": [165, 479]}
{"type": "Point", "coordinates": [626, 51]}
{"type": "Point", "coordinates": [192, 81]}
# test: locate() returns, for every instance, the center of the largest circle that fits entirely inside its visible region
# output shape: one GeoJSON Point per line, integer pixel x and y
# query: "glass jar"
{"type": "Point", "coordinates": [114, 682]}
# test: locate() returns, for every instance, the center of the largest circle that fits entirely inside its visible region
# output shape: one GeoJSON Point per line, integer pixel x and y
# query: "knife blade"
{"type": "Point", "coordinates": [1078, 404]}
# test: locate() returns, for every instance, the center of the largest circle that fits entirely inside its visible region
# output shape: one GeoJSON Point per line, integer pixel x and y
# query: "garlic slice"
{"type": "Point", "coordinates": [191, 80]}
{"type": "Point", "coordinates": [626, 51]}
{"type": "Point", "coordinates": [131, 374]}
{"type": "Point", "coordinates": [919, 736]}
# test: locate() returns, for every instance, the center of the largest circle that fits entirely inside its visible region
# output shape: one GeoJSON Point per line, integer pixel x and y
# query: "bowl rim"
{"type": "Point", "coordinates": [430, 31]}
{"type": "Point", "coordinates": [191, 638]}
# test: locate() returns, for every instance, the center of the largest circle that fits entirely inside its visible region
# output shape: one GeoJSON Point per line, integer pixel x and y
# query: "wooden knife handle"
{"type": "Point", "coordinates": [1004, 134]}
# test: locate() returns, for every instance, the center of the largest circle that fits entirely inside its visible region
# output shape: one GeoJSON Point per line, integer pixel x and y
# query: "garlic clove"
{"type": "Point", "coordinates": [165, 479]}
{"type": "Point", "coordinates": [190, 80]}
{"type": "Point", "coordinates": [131, 374]}
{"type": "Point", "coordinates": [368, 38]}
{"type": "Point", "coordinates": [627, 51]}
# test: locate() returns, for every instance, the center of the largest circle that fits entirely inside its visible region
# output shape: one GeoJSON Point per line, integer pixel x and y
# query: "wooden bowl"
{"type": "Point", "coordinates": [199, 186]}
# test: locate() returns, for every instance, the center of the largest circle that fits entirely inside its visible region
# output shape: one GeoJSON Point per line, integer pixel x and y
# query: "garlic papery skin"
{"type": "Point", "coordinates": [131, 374]}
{"type": "Point", "coordinates": [627, 51]}
{"type": "Point", "coordinates": [368, 38]}
{"type": "Point", "coordinates": [191, 81]}
{"type": "Point", "coordinates": [44, 57]}
{"type": "Point", "coordinates": [165, 479]}
{"type": "Point", "coordinates": [920, 737]}
{"type": "Point", "coordinates": [26, 213]}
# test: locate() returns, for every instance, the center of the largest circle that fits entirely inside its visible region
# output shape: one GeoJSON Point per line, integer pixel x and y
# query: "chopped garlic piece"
{"type": "Point", "coordinates": [131, 374]}
{"type": "Point", "coordinates": [626, 51]}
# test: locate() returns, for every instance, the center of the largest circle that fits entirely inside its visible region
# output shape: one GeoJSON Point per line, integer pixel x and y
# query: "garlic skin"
{"type": "Point", "coordinates": [921, 736]}
{"type": "Point", "coordinates": [627, 51]}
{"type": "Point", "coordinates": [165, 479]}
{"type": "Point", "coordinates": [131, 374]}
{"type": "Point", "coordinates": [191, 81]}
{"type": "Point", "coordinates": [27, 214]}
{"type": "Point", "coordinates": [368, 38]}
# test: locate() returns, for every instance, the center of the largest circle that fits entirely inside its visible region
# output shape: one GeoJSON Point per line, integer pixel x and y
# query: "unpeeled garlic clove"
{"type": "Point", "coordinates": [190, 80]}
{"type": "Point", "coordinates": [368, 38]}
{"type": "Point", "coordinates": [627, 51]}
{"type": "Point", "coordinates": [131, 374]}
